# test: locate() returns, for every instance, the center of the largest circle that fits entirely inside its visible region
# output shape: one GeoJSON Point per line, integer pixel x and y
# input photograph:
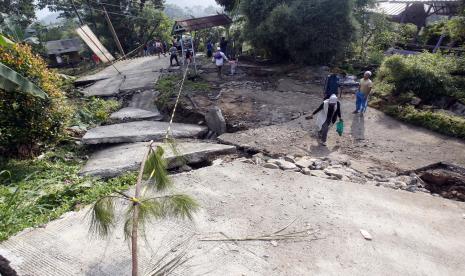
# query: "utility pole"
{"type": "Point", "coordinates": [112, 30]}
{"type": "Point", "coordinates": [75, 10]}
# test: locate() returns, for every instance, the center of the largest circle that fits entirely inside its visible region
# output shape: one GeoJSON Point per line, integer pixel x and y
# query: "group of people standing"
{"type": "Point", "coordinates": [330, 110]}
{"type": "Point", "coordinates": [155, 47]}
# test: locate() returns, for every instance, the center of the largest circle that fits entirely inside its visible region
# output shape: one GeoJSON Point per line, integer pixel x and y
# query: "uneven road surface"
{"type": "Point", "coordinates": [413, 234]}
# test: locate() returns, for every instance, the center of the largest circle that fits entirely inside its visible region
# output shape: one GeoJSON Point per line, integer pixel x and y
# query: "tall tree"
{"type": "Point", "coordinates": [22, 10]}
{"type": "Point", "coordinates": [309, 31]}
{"type": "Point", "coordinates": [133, 20]}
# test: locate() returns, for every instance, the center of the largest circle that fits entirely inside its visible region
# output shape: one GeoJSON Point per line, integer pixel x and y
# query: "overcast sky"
{"type": "Point", "coordinates": [182, 3]}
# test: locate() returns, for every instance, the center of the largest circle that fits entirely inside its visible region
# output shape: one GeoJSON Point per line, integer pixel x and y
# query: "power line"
{"type": "Point", "coordinates": [90, 38]}
{"type": "Point", "coordinates": [122, 14]}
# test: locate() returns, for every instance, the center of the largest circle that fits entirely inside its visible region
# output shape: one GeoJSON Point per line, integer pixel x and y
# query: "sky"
{"type": "Point", "coordinates": [182, 3]}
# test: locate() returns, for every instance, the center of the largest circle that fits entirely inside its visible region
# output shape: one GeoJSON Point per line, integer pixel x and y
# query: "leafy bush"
{"type": "Point", "coordinates": [437, 121]}
{"type": "Point", "coordinates": [36, 191]}
{"type": "Point", "coordinates": [166, 86]}
{"type": "Point", "coordinates": [453, 29]}
{"type": "Point", "coordinates": [427, 75]}
{"type": "Point", "coordinates": [28, 123]}
{"type": "Point", "coordinates": [94, 111]}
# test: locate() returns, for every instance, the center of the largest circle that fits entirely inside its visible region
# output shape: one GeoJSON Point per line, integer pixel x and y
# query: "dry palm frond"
{"type": "Point", "coordinates": [173, 259]}
{"type": "Point", "coordinates": [155, 170]}
{"type": "Point", "coordinates": [102, 217]}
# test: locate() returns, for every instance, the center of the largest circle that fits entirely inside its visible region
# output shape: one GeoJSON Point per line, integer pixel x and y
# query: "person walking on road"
{"type": "Point", "coordinates": [209, 49]}
{"type": "Point", "coordinates": [219, 58]}
{"type": "Point", "coordinates": [174, 55]}
{"type": "Point", "coordinates": [331, 85]}
{"type": "Point", "coordinates": [328, 112]}
{"type": "Point", "coordinates": [366, 85]}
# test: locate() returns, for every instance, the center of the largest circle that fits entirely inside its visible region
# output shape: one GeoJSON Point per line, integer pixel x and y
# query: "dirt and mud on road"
{"type": "Point", "coordinates": [265, 112]}
{"type": "Point", "coordinates": [284, 205]}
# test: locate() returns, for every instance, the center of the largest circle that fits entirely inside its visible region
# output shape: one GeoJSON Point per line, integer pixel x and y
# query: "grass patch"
{"type": "Point", "coordinates": [168, 86]}
{"type": "Point", "coordinates": [437, 121]}
{"type": "Point", "coordinates": [39, 191]}
{"type": "Point", "coordinates": [93, 111]}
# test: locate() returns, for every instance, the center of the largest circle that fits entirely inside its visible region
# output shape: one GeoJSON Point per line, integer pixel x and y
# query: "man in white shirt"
{"type": "Point", "coordinates": [219, 58]}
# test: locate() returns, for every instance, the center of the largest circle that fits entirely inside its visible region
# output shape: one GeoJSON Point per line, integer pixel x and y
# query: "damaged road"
{"type": "Point", "coordinates": [412, 234]}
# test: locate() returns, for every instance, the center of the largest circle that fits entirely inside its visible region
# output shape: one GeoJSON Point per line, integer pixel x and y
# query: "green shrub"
{"type": "Point", "coordinates": [94, 111]}
{"type": "Point", "coordinates": [35, 192]}
{"type": "Point", "coordinates": [28, 123]}
{"type": "Point", "coordinates": [166, 86]}
{"type": "Point", "coordinates": [427, 75]}
{"type": "Point", "coordinates": [438, 121]}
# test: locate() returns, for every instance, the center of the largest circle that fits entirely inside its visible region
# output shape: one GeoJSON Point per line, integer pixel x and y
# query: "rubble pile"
{"type": "Point", "coordinates": [341, 170]}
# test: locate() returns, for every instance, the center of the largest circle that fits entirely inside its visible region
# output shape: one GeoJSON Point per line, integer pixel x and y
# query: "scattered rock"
{"type": "Point", "coordinates": [306, 171]}
{"type": "Point", "coordinates": [366, 235]}
{"type": "Point", "coordinates": [412, 188]}
{"type": "Point", "coordinates": [400, 185]}
{"type": "Point", "coordinates": [257, 160]}
{"type": "Point", "coordinates": [271, 166]}
{"type": "Point", "coordinates": [304, 162]}
{"type": "Point", "coordinates": [217, 162]}
{"type": "Point", "coordinates": [318, 173]}
{"type": "Point", "coordinates": [335, 173]}
{"type": "Point", "coordinates": [289, 158]}
{"type": "Point", "coordinates": [285, 165]}
{"type": "Point", "coordinates": [274, 243]}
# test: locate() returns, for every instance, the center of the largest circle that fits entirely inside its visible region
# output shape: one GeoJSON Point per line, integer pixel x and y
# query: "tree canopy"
{"type": "Point", "coordinates": [310, 31]}
{"type": "Point", "coordinates": [134, 21]}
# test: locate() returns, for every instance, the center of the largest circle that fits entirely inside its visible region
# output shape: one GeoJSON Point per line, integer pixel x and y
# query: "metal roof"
{"type": "Point", "coordinates": [57, 47]}
{"type": "Point", "coordinates": [397, 7]}
{"type": "Point", "coordinates": [200, 23]}
{"type": "Point", "coordinates": [392, 9]}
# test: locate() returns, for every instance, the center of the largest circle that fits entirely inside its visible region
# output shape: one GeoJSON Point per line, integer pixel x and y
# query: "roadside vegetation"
{"type": "Point", "coordinates": [417, 89]}
{"type": "Point", "coordinates": [168, 86]}
{"type": "Point", "coordinates": [36, 191]}
{"type": "Point", "coordinates": [39, 158]}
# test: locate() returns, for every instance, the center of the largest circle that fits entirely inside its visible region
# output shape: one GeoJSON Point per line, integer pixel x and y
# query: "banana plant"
{"type": "Point", "coordinates": [145, 204]}
{"type": "Point", "coordinates": [12, 81]}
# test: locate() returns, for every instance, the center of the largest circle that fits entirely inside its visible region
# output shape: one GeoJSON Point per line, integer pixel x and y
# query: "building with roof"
{"type": "Point", "coordinates": [63, 52]}
{"type": "Point", "coordinates": [200, 23]}
{"type": "Point", "coordinates": [416, 11]}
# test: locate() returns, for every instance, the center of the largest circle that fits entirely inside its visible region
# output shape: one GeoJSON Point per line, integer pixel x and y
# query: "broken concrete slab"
{"type": "Point", "coordinates": [216, 121]}
{"type": "Point", "coordinates": [119, 159]}
{"type": "Point", "coordinates": [141, 131]}
{"type": "Point", "coordinates": [144, 100]}
{"type": "Point", "coordinates": [104, 88]}
{"type": "Point", "coordinates": [131, 114]}
{"type": "Point", "coordinates": [127, 66]}
{"type": "Point", "coordinates": [139, 80]}
{"type": "Point", "coordinates": [415, 234]}
{"type": "Point", "coordinates": [133, 75]}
